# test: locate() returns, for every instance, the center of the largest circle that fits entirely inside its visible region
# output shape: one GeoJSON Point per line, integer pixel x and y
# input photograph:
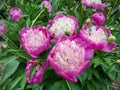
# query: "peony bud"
{"type": "Point", "coordinates": [118, 61]}
{"type": "Point", "coordinates": [38, 74]}
{"type": "Point", "coordinates": [111, 38]}
{"type": "Point", "coordinates": [112, 28]}
{"type": "Point", "coordinates": [48, 5]}
{"type": "Point", "coordinates": [15, 14]}
{"type": "Point", "coordinates": [2, 28]}
{"type": "Point", "coordinates": [98, 18]}
{"type": "Point", "coordinates": [88, 21]}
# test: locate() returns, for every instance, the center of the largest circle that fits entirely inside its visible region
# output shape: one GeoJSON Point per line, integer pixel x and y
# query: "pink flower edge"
{"type": "Point", "coordinates": [68, 75]}
{"type": "Point", "coordinates": [39, 49]}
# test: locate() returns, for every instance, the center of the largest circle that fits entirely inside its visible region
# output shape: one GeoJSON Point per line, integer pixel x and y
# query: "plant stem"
{"type": "Point", "coordinates": [9, 40]}
{"type": "Point", "coordinates": [68, 84]}
{"type": "Point", "coordinates": [37, 17]}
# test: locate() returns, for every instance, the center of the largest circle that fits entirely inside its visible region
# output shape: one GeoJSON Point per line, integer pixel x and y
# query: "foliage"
{"type": "Point", "coordinates": [103, 69]}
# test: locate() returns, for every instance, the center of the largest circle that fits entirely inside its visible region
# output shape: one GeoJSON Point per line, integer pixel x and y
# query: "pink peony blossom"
{"type": "Point", "coordinates": [89, 50]}
{"type": "Point", "coordinates": [2, 28]}
{"type": "Point", "coordinates": [34, 40]}
{"type": "Point", "coordinates": [68, 58]}
{"type": "Point", "coordinates": [15, 14]}
{"type": "Point", "coordinates": [62, 25]}
{"type": "Point", "coordinates": [48, 5]}
{"type": "Point", "coordinates": [98, 18]}
{"type": "Point", "coordinates": [97, 37]}
{"type": "Point", "coordinates": [38, 75]}
{"type": "Point", "coordinates": [93, 3]}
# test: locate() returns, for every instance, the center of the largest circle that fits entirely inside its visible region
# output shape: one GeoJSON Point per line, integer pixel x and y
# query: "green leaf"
{"type": "Point", "coordinates": [7, 58]}
{"type": "Point", "coordinates": [15, 82]}
{"type": "Point", "coordinates": [23, 81]}
{"type": "Point", "coordinates": [73, 86]}
{"type": "Point", "coordinates": [20, 53]}
{"type": "Point", "coordinates": [59, 85]}
{"type": "Point", "coordinates": [10, 68]}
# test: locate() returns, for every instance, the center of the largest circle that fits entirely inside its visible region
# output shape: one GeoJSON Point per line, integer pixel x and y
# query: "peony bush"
{"type": "Point", "coordinates": [59, 44]}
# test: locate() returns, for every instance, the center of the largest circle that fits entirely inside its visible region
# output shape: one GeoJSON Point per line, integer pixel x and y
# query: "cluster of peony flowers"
{"type": "Point", "coordinates": [72, 51]}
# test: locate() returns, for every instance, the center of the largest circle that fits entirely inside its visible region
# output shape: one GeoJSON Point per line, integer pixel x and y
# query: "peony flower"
{"type": "Point", "coordinates": [2, 28]}
{"type": "Point", "coordinates": [98, 18]}
{"type": "Point", "coordinates": [62, 25]}
{"type": "Point", "coordinates": [93, 3]}
{"type": "Point", "coordinates": [34, 40]}
{"type": "Point", "coordinates": [68, 58]}
{"type": "Point", "coordinates": [89, 50]}
{"type": "Point", "coordinates": [38, 75]}
{"type": "Point", "coordinates": [15, 14]}
{"type": "Point", "coordinates": [97, 37]}
{"type": "Point", "coordinates": [48, 5]}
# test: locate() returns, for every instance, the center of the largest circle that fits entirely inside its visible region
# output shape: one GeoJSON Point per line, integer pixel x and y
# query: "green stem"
{"type": "Point", "coordinates": [9, 40]}
{"type": "Point", "coordinates": [37, 17]}
{"type": "Point", "coordinates": [68, 84]}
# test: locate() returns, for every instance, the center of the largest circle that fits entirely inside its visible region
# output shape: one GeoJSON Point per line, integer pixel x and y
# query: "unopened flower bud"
{"type": "Point", "coordinates": [15, 14]}
{"type": "Point", "coordinates": [2, 28]}
{"type": "Point", "coordinates": [112, 28]}
{"type": "Point", "coordinates": [93, 10]}
{"type": "Point", "coordinates": [98, 18]}
{"type": "Point", "coordinates": [48, 5]}
{"type": "Point", "coordinates": [118, 61]}
{"type": "Point", "coordinates": [111, 39]}
{"type": "Point", "coordinates": [88, 21]}
{"type": "Point", "coordinates": [3, 46]}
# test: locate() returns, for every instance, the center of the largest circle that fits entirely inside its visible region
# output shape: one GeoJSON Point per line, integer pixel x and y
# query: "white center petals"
{"type": "Point", "coordinates": [96, 35]}
{"type": "Point", "coordinates": [62, 25]}
{"type": "Point", "coordinates": [33, 39]}
{"type": "Point", "coordinates": [94, 1]}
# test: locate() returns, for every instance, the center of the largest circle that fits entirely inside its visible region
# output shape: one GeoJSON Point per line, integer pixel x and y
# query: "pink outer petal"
{"type": "Point", "coordinates": [40, 49]}
{"type": "Point", "coordinates": [109, 47]}
{"type": "Point", "coordinates": [38, 75]}
{"type": "Point", "coordinates": [89, 52]}
{"type": "Point", "coordinates": [68, 75]}
{"type": "Point", "coordinates": [97, 6]}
